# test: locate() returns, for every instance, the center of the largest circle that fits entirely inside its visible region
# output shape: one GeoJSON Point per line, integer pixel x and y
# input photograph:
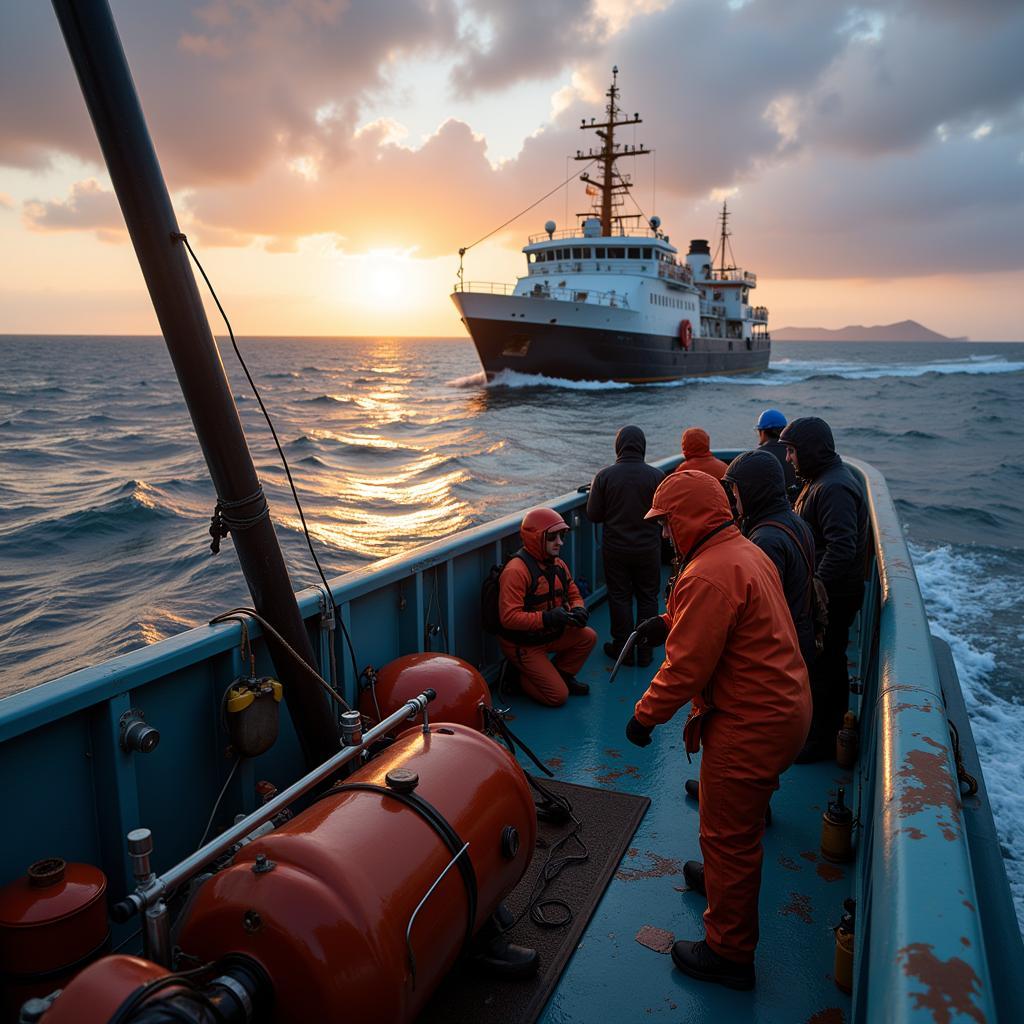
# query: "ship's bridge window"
{"type": "Point", "coordinates": [634, 254]}
{"type": "Point", "coordinates": [647, 254]}
{"type": "Point", "coordinates": [599, 252]}
{"type": "Point", "coordinates": [577, 253]}
{"type": "Point", "coordinates": [616, 252]}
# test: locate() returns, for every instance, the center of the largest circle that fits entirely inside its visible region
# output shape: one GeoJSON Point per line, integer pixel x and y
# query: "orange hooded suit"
{"type": "Point", "coordinates": [696, 447]}
{"type": "Point", "coordinates": [542, 680]}
{"type": "Point", "coordinates": [733, 651]}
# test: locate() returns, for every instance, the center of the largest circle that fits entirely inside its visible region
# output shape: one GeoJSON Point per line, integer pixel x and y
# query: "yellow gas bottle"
{"type": "Point", "coordinates": [847, 742]}
{"type": "Point", "coordinates": [836, 830]}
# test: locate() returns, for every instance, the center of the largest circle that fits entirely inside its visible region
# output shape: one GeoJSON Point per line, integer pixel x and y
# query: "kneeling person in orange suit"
{"type": "Point", "coordinates": [542, 612]}
{"type": "Point", "coordinates": [730, 648]}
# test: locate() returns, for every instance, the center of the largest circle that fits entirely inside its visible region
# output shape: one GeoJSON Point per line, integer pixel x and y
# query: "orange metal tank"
{"type": "Point", "coordinates": [94, 996]}
{"type": "Point", "coordinates": [53, 921]}
{"type": "Point", "coordinates": [324, 903]}
{"type": "Point", "coordinates": [459, 687]}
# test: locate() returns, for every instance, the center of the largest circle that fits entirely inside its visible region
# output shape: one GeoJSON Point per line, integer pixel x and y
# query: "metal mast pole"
{"type": "Point", "coordinates": [106, 82]}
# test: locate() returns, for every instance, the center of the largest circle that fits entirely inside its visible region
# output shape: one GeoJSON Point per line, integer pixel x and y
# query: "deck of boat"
{"type": "Point", "coordinates": [611, 976]}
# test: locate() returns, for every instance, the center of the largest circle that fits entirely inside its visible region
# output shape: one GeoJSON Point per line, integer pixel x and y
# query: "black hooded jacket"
{"type": "Point", "coordinates": [778, 449]}
{"type": "Point", "coordinates": [621, 495]}
{"type": "Point", "coordinates": [832, 503]}
{"type": "Point", "coordinates": [759, 479]}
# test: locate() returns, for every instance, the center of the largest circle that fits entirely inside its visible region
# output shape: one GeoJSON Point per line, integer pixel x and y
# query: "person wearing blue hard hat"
{"type": "Point", "coordinates": [769, 426]}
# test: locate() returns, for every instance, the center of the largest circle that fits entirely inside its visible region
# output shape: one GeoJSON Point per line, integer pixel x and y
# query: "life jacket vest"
{"type": "Point", "coordinates": [490, 600]}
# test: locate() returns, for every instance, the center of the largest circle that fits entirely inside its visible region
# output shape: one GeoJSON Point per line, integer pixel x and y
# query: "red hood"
{"type": "Point", "coordinates": [696, 443]}
{"type": "Point", "coordinates": [535, 524]}
{"type": "Point", "coordinates": [694, 504]}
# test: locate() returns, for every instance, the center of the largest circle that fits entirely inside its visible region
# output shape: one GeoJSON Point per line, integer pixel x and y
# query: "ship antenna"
{"type": "Point", "coordinates": [612, 186]}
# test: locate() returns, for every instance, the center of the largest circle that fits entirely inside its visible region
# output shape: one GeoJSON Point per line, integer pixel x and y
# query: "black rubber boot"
{"type": "Point", "coordinates": [576, 688]}
{"type": "Point", "coordinates": [496, 956]}
{"type": "Point", "coordinates": [692, 787]}
{"type": "Point", "coordinates": [693, 875]}
{"type": "Point", "coordinates": [699, 960]}
{"type": "Point", "coordinates": [613, 650]}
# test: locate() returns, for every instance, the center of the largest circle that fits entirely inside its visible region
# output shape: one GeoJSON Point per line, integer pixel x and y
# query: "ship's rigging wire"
{"type": "Point", "coordinates": [216, 806]}
{"type": "Point", "coordinates": [180, 237]}
{"type": "Point", "coordinates": [546, 195]}
{"type": "Point", "coordinates": [233, 616]}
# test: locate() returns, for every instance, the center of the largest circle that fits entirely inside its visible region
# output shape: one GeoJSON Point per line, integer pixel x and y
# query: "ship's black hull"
{"type": "Point", "coordinates": [587, 353]}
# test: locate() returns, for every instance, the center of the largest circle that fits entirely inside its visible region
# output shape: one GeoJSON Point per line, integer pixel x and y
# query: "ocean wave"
{"type": "Point", "coordinates": [964, 592]}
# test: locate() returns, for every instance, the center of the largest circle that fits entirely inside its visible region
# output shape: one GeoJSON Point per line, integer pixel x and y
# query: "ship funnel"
{"type": "Point", "coordinates": [698, 259]}
{"type": "Point", "coordinates": [699, 247]}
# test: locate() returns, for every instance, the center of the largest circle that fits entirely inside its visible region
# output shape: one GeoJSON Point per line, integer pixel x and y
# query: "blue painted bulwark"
{"type": "Point", "coordinates": [921, 938]}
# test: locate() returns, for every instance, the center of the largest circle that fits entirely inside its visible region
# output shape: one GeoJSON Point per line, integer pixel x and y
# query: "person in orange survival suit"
{"type": "Point", "coordinates": [696, 447]}
{"type": "Point", "coordinates": [731, 649]}
{"type": "Point", "coordinates": [542, 612]}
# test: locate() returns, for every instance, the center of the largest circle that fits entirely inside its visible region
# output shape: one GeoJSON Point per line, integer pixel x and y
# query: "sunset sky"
{"type": "Point", "coordinates": [327, 158]}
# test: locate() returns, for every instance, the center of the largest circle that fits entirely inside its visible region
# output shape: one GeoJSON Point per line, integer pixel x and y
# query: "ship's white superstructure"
{"type": "Point", "coordinates": [613, 301]}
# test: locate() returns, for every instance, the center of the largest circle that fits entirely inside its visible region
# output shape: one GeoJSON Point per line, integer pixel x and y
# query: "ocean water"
{"type": "Point", "coordinates": [105, 500]}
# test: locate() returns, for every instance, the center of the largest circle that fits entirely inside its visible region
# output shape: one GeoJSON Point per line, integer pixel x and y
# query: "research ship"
{"type": "Point", "coordinates": [206, 830]}
{"type": "Point", "coordinates": [612, 300]}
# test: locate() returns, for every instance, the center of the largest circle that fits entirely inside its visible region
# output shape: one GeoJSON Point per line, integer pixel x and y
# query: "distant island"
{"type": "Point", "coordinates": [905, 330]}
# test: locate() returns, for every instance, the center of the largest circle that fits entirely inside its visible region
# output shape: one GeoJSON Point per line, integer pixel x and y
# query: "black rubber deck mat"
{"type": "Point", "coordinates": [609, 820]}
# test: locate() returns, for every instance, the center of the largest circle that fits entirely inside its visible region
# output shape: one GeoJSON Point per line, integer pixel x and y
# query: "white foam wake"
{"type": "Point", "coordinates": [781, 373]}
{"type": "Point", "coordinates": [964, 592]}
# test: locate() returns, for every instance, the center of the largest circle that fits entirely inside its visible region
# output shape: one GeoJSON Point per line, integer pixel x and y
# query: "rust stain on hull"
{"type": "Point", "coordinates": [950, 985]}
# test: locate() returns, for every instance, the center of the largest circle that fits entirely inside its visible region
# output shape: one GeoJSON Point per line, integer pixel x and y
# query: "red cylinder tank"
{"type": "Point", "coordinates": [53, 920]}
{"type": "Point", "coordinates": [324, 903]}
{"type": "Point", "coordinates": [95, 994]}
{"type": "Point", "coordinates": [459, 687]}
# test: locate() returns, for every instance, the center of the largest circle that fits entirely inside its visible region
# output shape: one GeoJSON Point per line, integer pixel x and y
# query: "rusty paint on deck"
{"type": "Point", "coordinates": [950, 985]}
{"type": "Point", "coordinates": [831, 1015]}
{"type": "Point", "coordinates": [655, 938]}
{"type": "Point", "coordinates": [829, 872]}
{"type": "Point", "coordinates": [789, 864]}
{"type": "Point", "coordinates": [799, 905]}
{"type": "Point", "coordinates": [660, 867]}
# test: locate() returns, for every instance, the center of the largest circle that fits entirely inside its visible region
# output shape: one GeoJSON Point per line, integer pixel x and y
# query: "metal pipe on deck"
{"type": "Point", "coordinates": [106, 82]}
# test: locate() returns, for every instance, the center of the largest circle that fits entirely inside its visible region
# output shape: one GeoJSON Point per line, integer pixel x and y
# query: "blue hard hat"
{"type": "Point", "coordinates": [771, 419]}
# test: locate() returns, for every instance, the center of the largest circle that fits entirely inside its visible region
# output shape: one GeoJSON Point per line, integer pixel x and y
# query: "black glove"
{"type": "Point", "coordinates": [653, 632]}
{"type": "Point", "coordinates": [637, 734]}
{"type": "Point", "coordinates": [557, 617]}
{"type": "Point", "coordinates": [580, 615]}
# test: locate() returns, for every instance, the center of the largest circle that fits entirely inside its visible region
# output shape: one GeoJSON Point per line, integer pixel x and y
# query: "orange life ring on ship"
{"type": "Point", "coordinates": [685, 333]}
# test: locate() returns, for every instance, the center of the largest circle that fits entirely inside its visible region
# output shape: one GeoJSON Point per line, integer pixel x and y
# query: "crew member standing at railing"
{"type": "Point", "coordinates": [730, 648]}
{"type": "Point", "coordinates": [542, 613]}
{"type": "Point", "coordinates": [620, 497]}
{"type": "Point", "coordinates": [832, 503]}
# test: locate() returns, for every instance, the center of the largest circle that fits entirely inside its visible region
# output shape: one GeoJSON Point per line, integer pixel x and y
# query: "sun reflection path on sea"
{"type": "Point", "coordinates": [379, 468]}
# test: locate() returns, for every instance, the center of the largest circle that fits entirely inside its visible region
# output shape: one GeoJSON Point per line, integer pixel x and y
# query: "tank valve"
{"type": "Point", "coordinates": [847, 742]}
{"type": "Point", "coordinates": [836, 830]}
{"type": "Point", "coordinates": [843, 969]}
{"type": "Point", "coordinates": [351, 728]}
{"type": "Point", "coordinates": [402, 780]}
{"type": "Point", "coordinates": [136, 735]}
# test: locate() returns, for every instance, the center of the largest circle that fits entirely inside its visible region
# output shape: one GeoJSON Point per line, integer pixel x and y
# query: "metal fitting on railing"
{"type": "Point", "coordinates": [136, 735]}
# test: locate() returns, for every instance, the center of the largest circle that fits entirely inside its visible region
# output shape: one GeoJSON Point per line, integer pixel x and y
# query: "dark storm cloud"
{"type": "Point", "coordinates": [511, 42]}
{"type": "Point", "coordinates": [225, 84]}
{"type": "Point", "coordinates": [877, 138]}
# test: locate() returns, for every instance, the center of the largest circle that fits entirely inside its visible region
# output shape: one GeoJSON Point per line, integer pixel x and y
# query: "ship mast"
{"type": "Point", "coordinates": [723, 243]}
{"type": "Point", "coordinates": [612, 185]}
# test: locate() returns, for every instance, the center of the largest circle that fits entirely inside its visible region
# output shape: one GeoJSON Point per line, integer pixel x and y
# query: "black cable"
{"type": "Point", "coordinates": [232, 616]}
{"type": "Point", "coordinates": [179, 237]}
{"type": "Point", "coordinates": [527, 210]}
